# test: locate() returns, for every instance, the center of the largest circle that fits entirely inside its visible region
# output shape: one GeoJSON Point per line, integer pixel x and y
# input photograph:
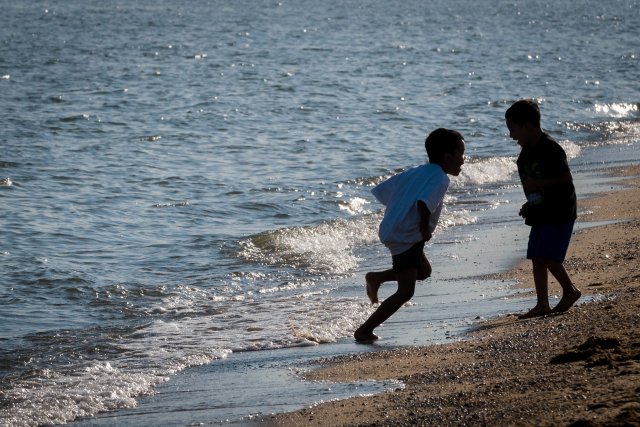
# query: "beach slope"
{"type": "Point", "coordinates": [580, 368]}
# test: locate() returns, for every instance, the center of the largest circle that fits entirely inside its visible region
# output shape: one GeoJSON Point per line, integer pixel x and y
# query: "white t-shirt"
{"type": "Point", "coordinates": [400, 227]}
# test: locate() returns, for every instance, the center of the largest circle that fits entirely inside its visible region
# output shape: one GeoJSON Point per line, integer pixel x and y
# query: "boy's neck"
{"type": "Point", "coordinates": [534, 138]}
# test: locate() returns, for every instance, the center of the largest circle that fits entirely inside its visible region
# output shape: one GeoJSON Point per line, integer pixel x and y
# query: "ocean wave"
{"type": "Point", "coordinates": [616, 109]}
{"type": "Point", "coordinates": [571, 148]}
{"type": "Point", "coordinates": [355, 205]}
{"type": "Point", "coordinates": [125, 364]}
{"type": "Point", "coordinates": [76, 118]}
{"type": "Point", "coordinates": [610, 132]}
{"type": "Point", "coordinates": [83, 388]}
{"type": "Point", "coordinates": [483, 171]}
{"type": "Point", "coordinates": [62, 397]}
{"type": "Point", "coordinates": [456, 217]}
{"type": "Point", "coordinates": [327, 247]}
{"type": "Point", "coordinates": [475, 171]}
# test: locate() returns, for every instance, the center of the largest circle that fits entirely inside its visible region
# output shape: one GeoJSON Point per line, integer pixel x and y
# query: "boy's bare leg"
{"type": "Point", "coordinates": [570, 294]}
{"type": "Point", "coordinates": [406, 288]}
{"type": "Point", "coordinates": [541, 280]}
{"type": "Point", "coordinates": [425, 268]}
{"type": "Point", "coordinates": [376, 278]}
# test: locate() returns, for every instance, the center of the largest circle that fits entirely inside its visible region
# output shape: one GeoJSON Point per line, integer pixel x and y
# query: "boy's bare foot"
{"type": "Point", "coordinates": [372, 287]}
{"type": "Point", "coordinates": [364, 337]}
{"type": "Point", "coordinates": [567, 301]}
{"type": "Point", "coordinates": [535, 312]}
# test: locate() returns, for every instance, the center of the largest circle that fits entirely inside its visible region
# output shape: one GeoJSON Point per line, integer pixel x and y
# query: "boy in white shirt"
{"type": "Point", "coordinates": [413, 201]}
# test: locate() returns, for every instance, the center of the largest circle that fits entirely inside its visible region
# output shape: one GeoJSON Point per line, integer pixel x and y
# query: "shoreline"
{"type": "Point", "coordinates": [581, 367]}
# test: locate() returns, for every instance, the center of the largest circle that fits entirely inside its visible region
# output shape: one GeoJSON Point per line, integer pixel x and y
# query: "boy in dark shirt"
{"type": "Point", "coordinates": [550, 209]}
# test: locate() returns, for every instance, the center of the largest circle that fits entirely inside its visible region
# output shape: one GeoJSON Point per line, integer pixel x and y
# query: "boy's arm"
{"type": "Point", "coordinates": [532, 184]}
{"type": "Point", "coordinates": [425, 216]}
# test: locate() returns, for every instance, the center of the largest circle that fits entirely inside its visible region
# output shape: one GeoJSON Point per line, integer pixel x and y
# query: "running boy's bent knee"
{"type": "Point", "coordinates": [424, 271]}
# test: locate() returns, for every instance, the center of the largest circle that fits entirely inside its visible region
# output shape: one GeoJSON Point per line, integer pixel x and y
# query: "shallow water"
{"type": "Point", "coordinates": [181, 184]}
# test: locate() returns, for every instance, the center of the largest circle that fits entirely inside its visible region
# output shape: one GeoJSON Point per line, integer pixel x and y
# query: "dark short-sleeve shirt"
{"type": "Point", "coordinates": [552, 205]}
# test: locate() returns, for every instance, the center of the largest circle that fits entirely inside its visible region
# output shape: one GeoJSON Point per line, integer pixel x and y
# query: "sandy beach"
{"type": "Point", "coordinates": [581, 368]}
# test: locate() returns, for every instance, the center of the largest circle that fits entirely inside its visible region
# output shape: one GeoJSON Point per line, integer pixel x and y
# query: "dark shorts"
{"type": "Point", "coordinates": [411, 258]}
{"type": "Point", "coordinates": [549, 241]}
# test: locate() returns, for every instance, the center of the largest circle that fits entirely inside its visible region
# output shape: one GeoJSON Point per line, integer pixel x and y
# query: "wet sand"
{"type": "Point", "coordinates": [581, 368]}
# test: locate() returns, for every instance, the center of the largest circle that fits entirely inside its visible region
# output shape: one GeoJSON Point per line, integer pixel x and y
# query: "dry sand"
{"type": "Point", "coordinates": [581, 368]}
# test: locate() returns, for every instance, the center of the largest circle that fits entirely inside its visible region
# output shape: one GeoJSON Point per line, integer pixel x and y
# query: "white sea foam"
{"type": "Point", "coordinates": [286, 286]}
{"type": "Point", "coordinates": [327, 247]}
{"type": "Point", "coordinates": [455, 217]}
{"type": "Point", "coordinates": [486, 171]}
{"type": "Point", "coordinates": [61, 397]}
{"type": "Point", "coordinates": [571, 149]}
{"type": "Point", "coordinates": [617, 110]}
{"type": "Point", "coordinates": [499, 170]}
{"type": "Point", "coordinates": [149, 356]}
{"type": "Point", "coordinates": [355, 205]}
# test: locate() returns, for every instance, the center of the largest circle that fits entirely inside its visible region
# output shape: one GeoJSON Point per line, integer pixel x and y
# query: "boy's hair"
{"type": "Point", "coordinates": [524, 111]}
{"type": "Point", "coordinates": [442, 141]}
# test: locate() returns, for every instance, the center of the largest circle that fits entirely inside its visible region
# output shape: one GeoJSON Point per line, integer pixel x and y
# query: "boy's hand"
{"type": "Point", "coordinates": [523, 210]}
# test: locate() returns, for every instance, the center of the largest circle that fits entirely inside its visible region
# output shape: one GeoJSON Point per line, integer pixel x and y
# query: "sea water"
{"type": "Point", "coordinates": [185, 187]}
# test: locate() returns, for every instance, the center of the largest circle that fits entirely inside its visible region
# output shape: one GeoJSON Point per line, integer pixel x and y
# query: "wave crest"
{"type": "Point", "coordinates": [327, 247]}
{"type": "Point", "coordinates": [617, 109]}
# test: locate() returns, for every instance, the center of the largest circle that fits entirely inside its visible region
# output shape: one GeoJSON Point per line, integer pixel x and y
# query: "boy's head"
{"type": "Point", "coordinates": [445, 147]}
{"type": "Point", "coordinates": [523, 122]}
{"type": "Point", "coordinates": [524, 111]}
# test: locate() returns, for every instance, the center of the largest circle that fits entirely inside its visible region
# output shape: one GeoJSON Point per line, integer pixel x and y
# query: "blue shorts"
{"type": "Point", "coordinates": [549, 241]}
{"type": "Point", "coordinates": [411, 258]}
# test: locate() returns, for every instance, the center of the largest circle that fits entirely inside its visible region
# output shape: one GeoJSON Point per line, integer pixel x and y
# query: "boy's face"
{"type": "Point", "coordinates": [452, 162]}
{"type": "Point", "coordinates": [521, 133]}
